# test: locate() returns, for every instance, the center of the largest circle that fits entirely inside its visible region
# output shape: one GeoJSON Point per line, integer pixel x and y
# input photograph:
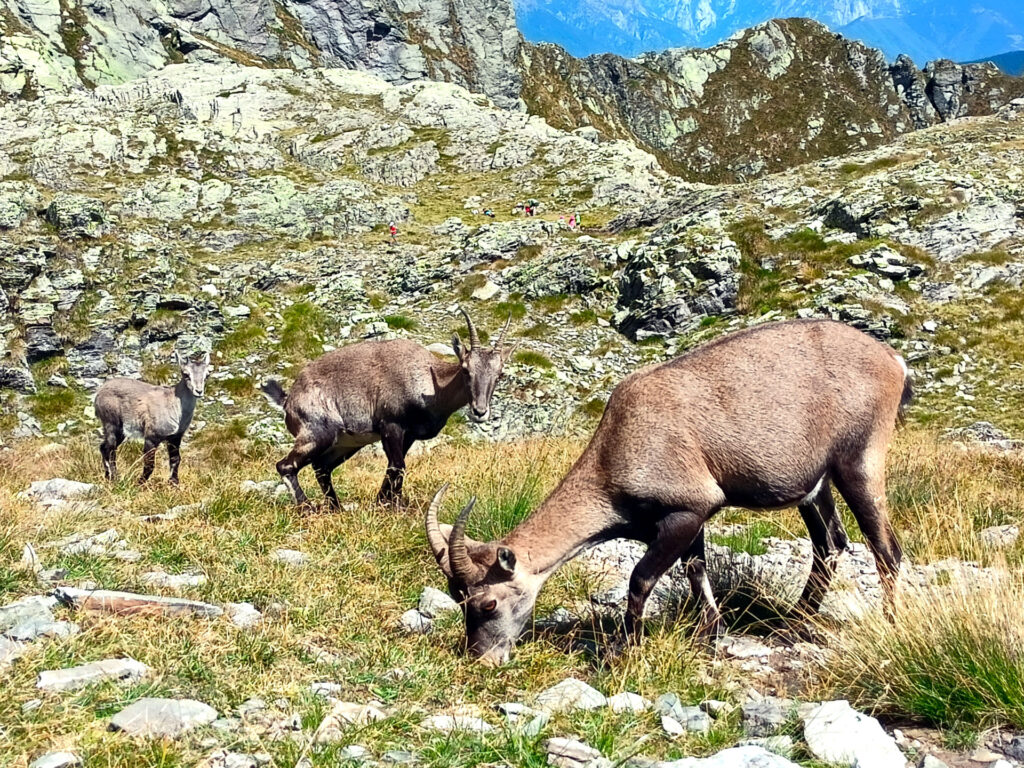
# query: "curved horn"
{"type": "Point", "coordinates": [474, 339]}
{"type": "Point", "coordinates": [501, 336]}
{"type": "Point", "coordinates": [438, 543]}
{"type": "Point", "coordinates": [463, 567]}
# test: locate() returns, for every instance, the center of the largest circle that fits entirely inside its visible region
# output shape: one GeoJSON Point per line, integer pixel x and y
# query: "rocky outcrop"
{"type": "Point", "coordinates": [60, 45]}
{"type": "Point", "coordinates": [742, 108]}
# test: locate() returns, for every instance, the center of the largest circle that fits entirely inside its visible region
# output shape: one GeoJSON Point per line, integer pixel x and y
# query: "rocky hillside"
{"type": "Point", "coordinates": [63, 44]}
{"type": "Point", "coordinates": [767, 98]}
{"type": "Point", "coordinates": [250, 206]}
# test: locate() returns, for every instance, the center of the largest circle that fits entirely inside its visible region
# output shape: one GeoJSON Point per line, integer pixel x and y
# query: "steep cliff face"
{"type": "Point", "coordinates": [62, 44]}
{"type": "Point", "coordinates": [768, 98]}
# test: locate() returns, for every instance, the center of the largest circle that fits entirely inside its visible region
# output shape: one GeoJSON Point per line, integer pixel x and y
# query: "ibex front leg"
{"type": "Point", "coordinates": [174, 458]}
{"type": "Point", "coordinates": [393, 440]}
{"type": "Point", "coordinates": [148, 459]}
{"type": "Point", "coordinates": [677, 532]}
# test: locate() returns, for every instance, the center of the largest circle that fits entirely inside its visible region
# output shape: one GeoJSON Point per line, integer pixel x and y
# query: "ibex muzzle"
{"type": "Point", "coordinates": [765, 418]}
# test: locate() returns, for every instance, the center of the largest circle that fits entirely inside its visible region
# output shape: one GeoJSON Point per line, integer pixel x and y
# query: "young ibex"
{"type": "Point", "coordinates": [156, 414]}
{"type": "Point", "coordinates": [769, 417]}
{"type": "Point", "coordinates": [393, 391]}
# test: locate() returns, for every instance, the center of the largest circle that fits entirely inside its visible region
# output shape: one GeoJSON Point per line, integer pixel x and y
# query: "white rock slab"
{"type": "Point", "coordinates": [837, 733]}
{"type": "Point", "coordinates": [450, 723]}
{"type": "Point", "coordinates": [124, 671]}
{"type": "Point", "coordinates": [568, 695]}
{"type": "Point", "coordinates": [737, 757]}
{"type": "Point", "coordinates": [56, 760]}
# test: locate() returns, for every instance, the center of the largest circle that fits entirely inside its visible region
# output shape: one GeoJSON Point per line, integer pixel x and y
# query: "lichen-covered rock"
{"type": "Point", "coordinates": [77, 215]}
{"type": "Point", "coordinates": [682, 275]}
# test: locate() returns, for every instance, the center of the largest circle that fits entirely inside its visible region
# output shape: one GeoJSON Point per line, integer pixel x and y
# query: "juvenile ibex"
{"type": "Point", "coordinates": [393, 391]}
{"type": "Point", "coordinates": [129, 407]}
{"type": "Point", "coordinates": [769, 417]}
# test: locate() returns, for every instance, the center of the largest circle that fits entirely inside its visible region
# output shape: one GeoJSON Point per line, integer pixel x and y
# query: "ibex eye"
{"type": "Point", "coordinates": [489, 606]}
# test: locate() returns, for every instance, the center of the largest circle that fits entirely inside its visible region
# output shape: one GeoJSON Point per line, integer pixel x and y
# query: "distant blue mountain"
{"type": "Point", "coordinates": [1012, 63]}
{"type": "Point", "coordinates": [961, 30]}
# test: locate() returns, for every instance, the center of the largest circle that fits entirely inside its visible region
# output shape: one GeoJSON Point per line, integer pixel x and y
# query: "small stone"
{"type": "Point", "coordinates": [570, 753]}
{"type": "Point", "coordinates": [290, 557]}
{"type": "Point", "coordinates": [175, 581]}
{"type": "Point", "coordinates": [1000, 536]}
{"type": "Point", "coordinates": [714, 707]}
{"type": "Point", "coordinates": [671, 726]}
{"type": "Point", "coordinates": [930, 326]}
{"type": "Point", "coordinates": [239, 311]}
{"type": "Point", "coordinates": [326, 690]}
{"type": "Point", "coordinates": [433, 603]}
{"type": "Point", "coordinates": [343, 715]}
{"type": "Point", "coordinates": [415, 623]}
{"type": "Point", "coordinates": [355, 753]}
{"type": "Point", "coordinates": [742, 647]}
{"type": "Point", "coordinates": [627, 702]}
{"type": "Point", "coordinates": [56, 760]}
{"type": "Point", "coordinates": [570, 694]}
{"type": "Point", "coordinates": [930, 761]}
{"type": "Point", "coordinates": [764, 717]}
{"type": "Point", "coordinates": [985, 756]}
{"type": "Point", "coordinates": [30, 560]}
{"type": "Point", "coordinates": [486, 291]}
{"type": "Point", "coordinates": [400, 757]}
{"type": "Point", "coordinates": [243, 615]}
{"type": "Point", "coordinates": [31, 705]}
{"type": "Point", "coordinates": [10, 650]}
{"type": "Point", "coordinates": [72, 678]}
{"type": "Point", "coordinates": [162, 718]}
{"type": "Point", "coordinates": [57, 489]}
{"type": "Point", "coordinates": [537, 724]}
{"type": "Point", "coordinates": [449, 723]}
{"type": "Point", "coordinates": [696, 720]}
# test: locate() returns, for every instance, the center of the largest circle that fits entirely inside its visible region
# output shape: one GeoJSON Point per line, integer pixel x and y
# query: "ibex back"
{"type": "Point", "coordinates": [769, 417]}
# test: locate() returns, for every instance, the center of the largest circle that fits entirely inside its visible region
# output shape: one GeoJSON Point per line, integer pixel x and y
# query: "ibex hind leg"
{"type": "Point", "coordinates": [711, 625]}
{"type": "Point", "coordinates": [306, 448]}
{"type": "Point", "coordinates": [323, 467]}
{"type": "Point", "coordinates": [862, 484]}
{"type": "Point", "coordinates": [113, 436]}
{"type": "Point", "coordinates": [828, 540]}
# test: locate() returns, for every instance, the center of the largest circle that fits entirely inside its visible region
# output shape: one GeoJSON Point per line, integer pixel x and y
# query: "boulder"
{"type": "Point", "coordinates": [837, 734]}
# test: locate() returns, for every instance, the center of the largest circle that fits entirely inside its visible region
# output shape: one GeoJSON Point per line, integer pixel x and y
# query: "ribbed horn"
{"type": "Point", "coordinates": [474, 339]}
{"type": "Point", "coordinates": [462, 565]}
{"type": "Point", "coordinates": [438, 543]}
{"type": "Point", "coordinates": [501, 336]}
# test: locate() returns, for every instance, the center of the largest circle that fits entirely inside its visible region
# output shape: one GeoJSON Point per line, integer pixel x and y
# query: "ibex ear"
{"type": "Point", "coordinates": [507, 560]}
{"type": "Point", "coordinates": [508, 351]}
{"type": "Point", "coordinates": [460, 351]}
{"type": "Point", "coordinates": [206, 359]}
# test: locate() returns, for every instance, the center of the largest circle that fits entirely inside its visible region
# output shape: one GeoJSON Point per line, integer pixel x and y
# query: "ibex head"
{"type": "Point", "coordinates": [194, 370]}
{"type": "Point", "coordinates": [482, 366]}
{"type": "Point", "coordinates": [496, 596]}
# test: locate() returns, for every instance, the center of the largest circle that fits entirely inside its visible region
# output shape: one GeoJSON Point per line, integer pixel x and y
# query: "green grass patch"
{"type": "Point", "coordinates": [401, 322]}
{"type": "Point", "coordinates": [533, 359]}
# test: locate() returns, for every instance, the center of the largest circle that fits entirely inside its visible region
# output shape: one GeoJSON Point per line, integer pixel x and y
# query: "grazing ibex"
{"type": "Point", "coordinates": [393, 391]}
{"type": "Point", "coordinates": [156, 414]}
{"type": "Point", "coordinates": [769, 417]}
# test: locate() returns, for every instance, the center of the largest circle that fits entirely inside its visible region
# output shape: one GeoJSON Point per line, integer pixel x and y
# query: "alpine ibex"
{"type": "Point", "coordinates": [393, 391]}
{"type": "Point", "coordinates": [156, 414]}
{"type": "Point", "coordinates": [769, 417]}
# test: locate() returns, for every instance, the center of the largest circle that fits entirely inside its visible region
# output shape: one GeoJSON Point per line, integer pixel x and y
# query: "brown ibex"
{"type": "Point", "coordinates": [393, 391]}
{"type": "Point", "coordinates": [156, 414]}
{"type": "Point", "coordinates": [769, 417]}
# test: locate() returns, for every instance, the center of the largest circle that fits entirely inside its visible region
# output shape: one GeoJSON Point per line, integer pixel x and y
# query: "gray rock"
{"type": "Point", "coordinates": [743, 647]}
{"type": "Point", "coordinates": [175, 581]}
{"type": "Point", "coordinates": [57, 488]}
{"type": "Point", "coordinates": [243, 615]}
{"type": "Point", "coordinates": [836, 733]}
{"type": "Point", "coordinates": [737, 757]}
{"type": "Point", "coordinates": [122, 671]}
{"type": "Point", "coordinates": [56, 760]}
{"type": "Point", "coordinates": [930, 761]}
{"type": "Point", "coordinates": [35, 608]}
{"type": "Point", "coordinates": [17, 378]}
{"type": "Point", "coordinates": [77, 215]}
{"type": "Point", "coordinates": [780, 745]}
{"type": "Point", "coordinates": [162, 718]}
{"type": "Point", "coordinates": [571, 753]}
{"type": "Point", "coordinates": [34, 629]}
{"type": "Point", "coordinates": [570, 694]}
{"type": "Point", "coordinates": [627, 702]}
{"type": "Point", "coordinates": [400, 757]}
{"type": "Point", "coordinates": [765, 716]}
{"type": "Point", "coordinates": [415, 623]}
{"type": "Point", "coordinates": [450, 723]}
{"type": "Point", "coordinates": [434, 603]}
{"type": "Point", "coordinates": [999, 536]}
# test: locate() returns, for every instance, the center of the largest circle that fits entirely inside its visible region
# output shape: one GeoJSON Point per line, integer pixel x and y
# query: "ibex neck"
{"type": "Point", "coordinates": [451, 388]}
{"type": "Point", "coordinates": [185, 395]}
{"type": "Point", "coordinates": [576, 515]}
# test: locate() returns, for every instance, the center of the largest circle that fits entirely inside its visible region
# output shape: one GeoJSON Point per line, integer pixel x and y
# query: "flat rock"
{"type": "Point", "coordinates": [71, 679]}
{"type": "Point", "coordinates": [56, 760]}
{"type": "Point", "coordinates": [434, 603]}
{"type": "Point", "coordinates": [450, 723]}
{"type": "Point", "coordinates": [163, 718]}
{"type": "Point", "coordinates": [129, 603]}
{"type": "Point", "coordinates": [57, 488]}
{"type": "Point", "coordinates": [742, 647]}
{"type": "Point", "coordinates": [571, 753]}
{"type": "Point", "coordinates": [837, 733]}
{"type": "Point", "coordinates": [33, 608]}
{"type": "Point", "coordinates": [737, 757]}
{"type": "Point", "coordinates": [568, 695]}
{"type": "Point", "coordinates": [290, 557]}
{"type": "Point", "coordinates": [627, 702]}
{"type": "Point", "coordinates": [33, 629]}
